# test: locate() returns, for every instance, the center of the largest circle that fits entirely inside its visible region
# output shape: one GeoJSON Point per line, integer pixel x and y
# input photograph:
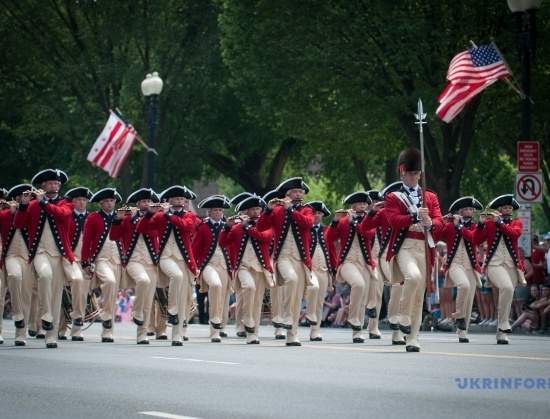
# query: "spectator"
{"type": "Point", "coordinates": [331, 305]}
{"type": "Point", "coordinates": [533, 310]}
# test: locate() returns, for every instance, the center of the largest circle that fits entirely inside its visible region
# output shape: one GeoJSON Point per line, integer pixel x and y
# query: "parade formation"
{"type": "Point", "coordinates": [58, 258]}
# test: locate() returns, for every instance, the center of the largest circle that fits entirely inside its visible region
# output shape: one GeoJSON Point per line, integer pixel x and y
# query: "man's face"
{"type": "Point", "coordinates": [51, 187]}
{"type": "Point", "coordinates": [506, 210]}
{"type": "Point", "coordinates": [216, 213]}
{"type": "Point", "coordinates": [359, 206]}
{"type": "Point", "coordinates": [318, 217]}
{"type": "Point", "coordinates": [143, 204]}
{"type": "Point", "coordinates": [410, 178]}
{"type": "Point", "coordinates": [80, 204]}
{"type": "Point", "coordinates": [177, 201]}
{"type": "Point", "coordinates": [295, 194]}
{"type": "Point", "coordinates": [108, 204]}
{"type": "Point", "coordinates": [466, 212]}
{"type": "Point", "coordinates": [254, 212]}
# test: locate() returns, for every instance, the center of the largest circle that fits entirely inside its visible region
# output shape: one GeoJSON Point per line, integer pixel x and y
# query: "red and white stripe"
{"type": "Point", "coordinates": [112, 147]}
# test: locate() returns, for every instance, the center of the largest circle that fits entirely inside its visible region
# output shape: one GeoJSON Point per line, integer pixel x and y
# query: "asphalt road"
{"type": "Point", "coordinates": [331, 379]}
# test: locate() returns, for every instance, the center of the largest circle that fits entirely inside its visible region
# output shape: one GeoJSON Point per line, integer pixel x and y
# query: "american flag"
{"type": "Point", "coordinates": [112, 147]}
{"type": "Point", "coordinates": [470, 72]}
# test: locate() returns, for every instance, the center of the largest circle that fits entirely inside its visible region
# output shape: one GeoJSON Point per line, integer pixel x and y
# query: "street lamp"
{"type": "Point", "coordinates": [151, 88]}
{"type": "Point", "coordinates": [524, 10]}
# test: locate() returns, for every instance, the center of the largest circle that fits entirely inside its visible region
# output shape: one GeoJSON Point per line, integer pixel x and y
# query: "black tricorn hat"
{"type": "Point", "coordinates": [79, 192]}
{"type": "Point", "coordinates": [18, 190]}
{"type": "Point", "coordinates": [465, 202]}
{"type": "Point", "coordinates": [215, 201]}
{"type": "Point", "coordinates": [106, 193]}
{"type": "Point", "coordinates": [410, 160]}
{"type": "Point", "coordinates": [502, 200]}
{"type": "Point", "coordinates": [177, 191]}
{"type": "Point", "coordinates": [292, 183]}
{"type": "Point", "coordinates": [237, 199]}
{"type": "Point", "coordinates": [50, 174]}
{"type": "Point", "coordinates": [252, 201]}
{"type": "Point", "coordinates": [274, 193]}
{"type": "Point", "coordinates": [319, 206]}
{"type": "Point", "coordinates": [353, 198]}
{"type": "Point", "coordinates": [143, 193]}
{"type": "Point", "coordinates": [374, 195]}
{"type": "Point", "coordinates": [392, 187]}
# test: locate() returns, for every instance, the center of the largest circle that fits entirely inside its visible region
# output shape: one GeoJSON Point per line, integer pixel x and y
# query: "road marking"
{"type": "Point", "coordinates": [197, 360]}
{"type": "Point", "coordinates": [166, 415]}
{"type": "Point", "coordinates": [458, 354]}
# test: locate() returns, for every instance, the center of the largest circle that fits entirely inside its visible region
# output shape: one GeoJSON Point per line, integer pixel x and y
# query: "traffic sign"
{"type": "Point", "coordinates": [528, 156]}
{"type": "Point", "coordinates": [524, 214]}
{"type": "Point", "coordinates": [529, 187]}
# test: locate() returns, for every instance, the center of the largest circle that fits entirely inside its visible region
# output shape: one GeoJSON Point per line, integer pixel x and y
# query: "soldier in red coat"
{"type": "Point", "coordinates": [252, 271]}
{"type": "Point", "coordinates": [102, 257]}
{"type": "Point", "coordinates": [415, 219]}
{"type": "Point", "coordinates": [141, 246]}
{"type": "Point", "coordinates": [462, 265]}
{"type": "Point", "coordinates": [353, 229]}
{"type": "Point", "coordinates": [176, 227]}
{"type": "Point", "coordinates": [14, 261]}
{"type": "Point", "coordinates": [503, 263]}
{"type": "Point", "coordinates": [323, 268]}
{"type": "Point", "coordinates": [209, 247]}
{"type": "Point", "coordinates": [47, 220]}
{"type": "Point", "coordinates": [291, 222]}
{"type": "Point", "coordinates": [79, 197]}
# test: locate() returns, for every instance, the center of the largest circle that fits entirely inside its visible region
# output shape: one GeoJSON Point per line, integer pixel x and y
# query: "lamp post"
{"type": "Point", "coordinates": [524, 11]}
{"type": "Point", "coordinates": [151, 87]}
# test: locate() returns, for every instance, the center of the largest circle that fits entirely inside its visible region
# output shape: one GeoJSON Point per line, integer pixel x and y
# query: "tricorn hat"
{"type": "Point", "coordinates": [106, 193]}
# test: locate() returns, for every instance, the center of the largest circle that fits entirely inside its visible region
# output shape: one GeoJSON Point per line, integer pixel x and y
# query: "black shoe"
{"type": "Point", "coordinates": [310, 323]}
{"type": "Point", "coordinates": [223, 334]}
{"type": "Point", "coordinates": [20, 343]}
{"type": "Point", "coordinates": [107, 324]}
{"type": "Point", "coordinates": [32, 333]}
{"type": "Point", "coordinates": [47, 326]}
{"type": "Point", "coordinates": [77, 338]}
{"type": "Point", "coordinates": [150, 333]}
{"type": "Point", "coordinates": [241, 334]}
{"type": "Point", "coordinates": [394, 326]}
{"type": "Point", "coordinates": [280, 337]}
{"type": "Point", "coordinates": [398, 342]}
{"type": "Point", "coordinates": [502, 342]}
{"type": "Point", "coordinates": [371, 312]}
{"type": "Point", "coordinates": [19, 324]}
{"type": "Point", "coordinates": [411, 348]}
{"type": "Point", "coordinates": [355, 328]}
{"type": "Point", "coordinates": [293, 344]}
{"type": "Point", "coordinates": [177, 343]}
{"type": "Point", "coordinates": [139, 323]}
{"type": "Point", "coordinates": [78, 322]}
{"type": "Point", "coordinates": [463, 340]}
{"type": "Point", "coordinates": [277, 325]}
{"type": "Point", "coordinates": [287, 326]}
{"type": "Point", "coordinates": [184, 323]}
{"type": "Point", "coordinates": [460, 324]}
{"type": "Point", "coordinates": [317, 339]}
{"type": "Point", "coordinates": [173, 319]}
{"type": "Point", "coordinates": [215, 340]}
{"type": "Point", "coordinates": [374, 336]}
{"type": "Point", "coordinates": [107, 340]}
{"type": "Point", "coordinates": [253, 342]}
{"type": "Point", "coordinates": [249, 329]}
{"type": "Point", "coordinates": [162, 337]}
{"type": "Point", "coordinates": [185, 338]}
{"type": "Point", "coordinates": [51, 345]}
{"type": "Point", "coordinates": [405, 329]}
{"type": "Point", "coordinates": [358, 340]}
{"type": "Point", "coordinates": [40, 336]}
{"type": "Point", "coordinates": [507, 331]}
{"type": "Point", "coordinates": [61, 337]}
{"type": "Point", "coordinates": [143, 342]}
{"type": "Point", "coordinates": [217, 326]}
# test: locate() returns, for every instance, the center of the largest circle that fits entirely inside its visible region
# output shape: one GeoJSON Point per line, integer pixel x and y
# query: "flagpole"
{"type": "Point", "coordinates": [138, 137]}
